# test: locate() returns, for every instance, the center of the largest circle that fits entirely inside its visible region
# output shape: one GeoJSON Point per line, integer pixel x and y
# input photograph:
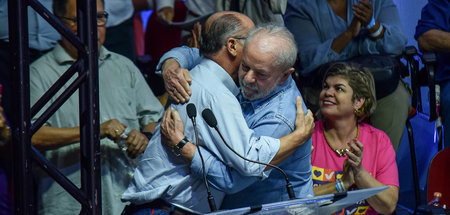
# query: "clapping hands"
{"type": "Point", "coordinates": [353, 164]}
{"type": "Point", "coordinates": [363, 11]}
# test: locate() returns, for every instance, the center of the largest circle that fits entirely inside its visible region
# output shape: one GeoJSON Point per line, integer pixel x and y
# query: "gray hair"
{"type": "Point", "coordinates": [224, 27]}
{"type": "Point", "coordinates": [286, 54]}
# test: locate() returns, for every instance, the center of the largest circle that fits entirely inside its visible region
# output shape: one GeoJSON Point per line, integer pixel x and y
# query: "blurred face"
{"type": "Point", "coordinates": [336, 98]}
{"type": "Point", "coordinates": [258, 76]}
{"type": "Point", "coordinates": [69, 20]}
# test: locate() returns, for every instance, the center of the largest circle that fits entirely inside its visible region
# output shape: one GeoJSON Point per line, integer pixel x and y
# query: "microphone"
{"type": "Point", "coordinates": [192, 113]}
{"type": "Point", "coordinates": [210, 119]}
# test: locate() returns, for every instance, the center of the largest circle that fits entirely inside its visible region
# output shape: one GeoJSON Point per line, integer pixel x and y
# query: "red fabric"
{"type": "Point", "coordinates": [139, 34]}
{"type": "Point", "coordinates": [160, 38]}
{"type": "Point", "coordinates": [438, 176]}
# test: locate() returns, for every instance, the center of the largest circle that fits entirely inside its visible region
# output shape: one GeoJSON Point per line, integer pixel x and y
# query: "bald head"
{"type": "Point", "coordinates": [214, 16]}
{"type": "Point", "coordinates": [221, 26]}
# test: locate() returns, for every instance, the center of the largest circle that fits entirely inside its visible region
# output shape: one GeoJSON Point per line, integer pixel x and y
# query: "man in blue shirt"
{"type": "Point", "coordinates": [267, 100]}
{"type": "Point", "coordinates": [162, 174]}
{"type": "Point", "coordinates": [433, 35]}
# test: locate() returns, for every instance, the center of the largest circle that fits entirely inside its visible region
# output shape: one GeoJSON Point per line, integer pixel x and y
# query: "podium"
{"type": "Point", "coordinates": [325, 204]}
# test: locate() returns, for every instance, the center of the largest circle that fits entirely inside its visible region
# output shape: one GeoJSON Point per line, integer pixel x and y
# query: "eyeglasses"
{"type": "Point", "coordinates": [101, 19]}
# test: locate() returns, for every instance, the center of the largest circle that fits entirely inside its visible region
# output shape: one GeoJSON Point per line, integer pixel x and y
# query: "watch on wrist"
{"type": "Point", "coordinates": [177, 148]}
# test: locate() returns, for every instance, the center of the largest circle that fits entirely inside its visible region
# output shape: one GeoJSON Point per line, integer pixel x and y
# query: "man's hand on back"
{"type": "Point", "coordinates": [304, 123]}
{"type": "Point", "coordinates": [176, 81]}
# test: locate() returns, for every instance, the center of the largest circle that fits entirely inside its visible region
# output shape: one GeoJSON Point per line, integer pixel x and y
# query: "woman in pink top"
{"type": "Point", "coordinates": [349, 154]}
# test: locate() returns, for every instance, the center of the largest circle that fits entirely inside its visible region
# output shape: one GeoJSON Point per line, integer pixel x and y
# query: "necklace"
{"type": "Point", "coordinates": [339, 152]}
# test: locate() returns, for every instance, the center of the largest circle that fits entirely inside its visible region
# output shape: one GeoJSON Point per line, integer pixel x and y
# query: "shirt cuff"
{"type": "Point", "coordinates": [266, 173]}
{"type": "Point", "coordinates": [266, 156]}
{"type": "Point", "coordinates": [196, 163]}
{"type": "Point", "coordinates": [178, 54]}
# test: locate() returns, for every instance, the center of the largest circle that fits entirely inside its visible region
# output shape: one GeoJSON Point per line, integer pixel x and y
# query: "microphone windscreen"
{"type": "Point", "coordinates": [191, 110]}
{"type": "Point", "coordinates": [209, 117]}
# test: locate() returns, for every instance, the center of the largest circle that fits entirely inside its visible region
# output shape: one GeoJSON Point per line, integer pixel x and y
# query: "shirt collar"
{"type": "Point", "coordinates": [260, 102]}
{"type": "Point", "coordinates": [62, 57]}
{"type": "Point", "coordinates": [222, 75]}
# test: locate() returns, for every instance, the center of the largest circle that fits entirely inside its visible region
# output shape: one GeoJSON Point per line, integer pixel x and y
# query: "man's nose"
{"type": "Point", "coordinates": [249, 77]}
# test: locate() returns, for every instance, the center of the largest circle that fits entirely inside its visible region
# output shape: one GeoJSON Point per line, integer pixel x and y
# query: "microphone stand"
{"type": "Point", "coordinates": [211, 202]}
{"type": "Point", "coordinates": [212, 122]}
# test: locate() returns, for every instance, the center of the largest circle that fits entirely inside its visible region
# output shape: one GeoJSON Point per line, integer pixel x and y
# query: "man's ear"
{"type": "Point", "coordinates": [232, 46]}
{"type": "Point", "coordinates": [286, 75]}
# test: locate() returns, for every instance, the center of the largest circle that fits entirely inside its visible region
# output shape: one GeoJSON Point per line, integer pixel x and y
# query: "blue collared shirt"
{"type": "Point", "coordinates": [436, 15]}
{"type": "Point", "coordinates": [272, 116]}
{"type": "Point", "coordinates": [315, 26]}
{"type": "Point", "coordinates": [161, 174]}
